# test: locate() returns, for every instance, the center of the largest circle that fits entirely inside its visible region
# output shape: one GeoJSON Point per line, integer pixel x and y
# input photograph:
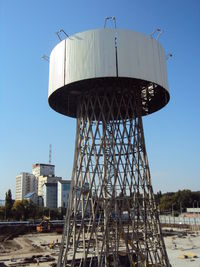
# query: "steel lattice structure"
{"type": "Point", "coordinates": [112, 218]}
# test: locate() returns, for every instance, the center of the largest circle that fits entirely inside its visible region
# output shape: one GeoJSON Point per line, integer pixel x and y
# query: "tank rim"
{"type": "Point", "coordinates": [64, 100]}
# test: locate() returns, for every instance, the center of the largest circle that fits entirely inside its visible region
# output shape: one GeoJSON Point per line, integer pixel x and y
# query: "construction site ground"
{"type": "Point", "coordinates": [41, 249]}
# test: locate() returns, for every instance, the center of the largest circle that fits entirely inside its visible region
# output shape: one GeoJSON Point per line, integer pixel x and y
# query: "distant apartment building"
{"type": "Point", "coordinates": [46, 179]}
{"type": "Point", "coordinates": [50, 195]}
{"type": "Point", "coordinates": [63, 193]}
{"type": "Point", "coordinates": [25, 183]}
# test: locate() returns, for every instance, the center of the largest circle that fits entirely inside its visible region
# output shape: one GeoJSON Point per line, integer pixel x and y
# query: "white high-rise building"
{"type": "Point", "coordinates": [50, 195]}
{"type": "Point", "coordinates": [63, 193]}
{"type": "Point", "coordinates": [39, 169]}
{"type": "Point", "coordinates": [25, 183]}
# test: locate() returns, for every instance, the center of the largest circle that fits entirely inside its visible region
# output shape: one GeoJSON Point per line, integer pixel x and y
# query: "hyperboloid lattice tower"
{"type": "Point", "coordinates": [108, 79]}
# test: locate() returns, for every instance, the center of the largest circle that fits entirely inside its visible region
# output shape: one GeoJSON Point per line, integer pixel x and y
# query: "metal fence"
{"type": "Point", "coordinates": [179, 220]}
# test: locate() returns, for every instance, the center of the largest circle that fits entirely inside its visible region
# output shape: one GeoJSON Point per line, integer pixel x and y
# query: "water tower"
{"type": "Point", "coordinates": [108, 79]}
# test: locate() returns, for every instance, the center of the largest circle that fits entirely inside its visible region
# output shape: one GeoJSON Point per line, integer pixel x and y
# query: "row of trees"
{"type": "Point", "coordinates": [177, 201]}
{"type": "Point", "coordinates": [24, 210]}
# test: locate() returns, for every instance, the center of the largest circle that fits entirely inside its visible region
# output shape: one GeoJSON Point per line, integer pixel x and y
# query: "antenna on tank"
{"type": "Point", "coordinates": [115, 26]}
{"type": "Point", "coordinates": [50, 154]}
{"type": "Point", "coordinates": [45, 57]}
{"type": "Point", "coordinates": [168, 56]}
{"type": "Point", "coordinates": [159, 33]}
{"type": "Point", "coordinates": [110, 18]}
{"type": "Point", "coordinates": [58, 34]}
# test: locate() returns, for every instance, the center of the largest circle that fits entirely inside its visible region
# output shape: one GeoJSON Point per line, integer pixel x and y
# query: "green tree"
{"type": "Point", "coordinates": [158, 197]}
{"type": "Point", "coordinates": [24, 209]}
{"type": "Point", "coordinates": [8, 204]}
{"type": "Point", "coordinates": [18, 210]}
{"type": "Point", "coordinates": [167, 201]}
{"type": "Point", "coordinates": [179, 201]}
{"type": "Point", "coordinates": [2, 213]}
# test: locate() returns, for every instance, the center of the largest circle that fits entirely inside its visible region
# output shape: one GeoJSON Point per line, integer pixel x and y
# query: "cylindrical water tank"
{"type": "Point", "coordinates": [107, 59]}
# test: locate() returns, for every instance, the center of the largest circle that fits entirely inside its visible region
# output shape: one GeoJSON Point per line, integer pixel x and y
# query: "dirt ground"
{"type": "Point", "coordinates": [184, 250]}
{"type": "Point", "coordinates": [30, 249]}
{"type": "Point", "coordinates": [43, 249]}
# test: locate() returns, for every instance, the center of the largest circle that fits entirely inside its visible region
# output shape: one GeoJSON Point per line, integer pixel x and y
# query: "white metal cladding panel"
{"type": "Point", "coordinates": [163, 67]}
{"type": "Point", "coordinates": [141, 57]}
{"type": "Point", "coordinates": [90, 54]}
{"type": "Point", "coordinates": [56, 67]}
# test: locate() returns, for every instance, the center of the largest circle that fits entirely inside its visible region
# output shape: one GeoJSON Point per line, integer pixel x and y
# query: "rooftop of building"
{"type": "Point", "coordinates": [30, 194]}
{"type": "Point", "coordinates": [50, 184]}
{"type": "Point", "coordinates": [42, 164]}
{"type": "Point", "coordinates": [65, 181]}
{"type": "Point", "coordinates": [25, 173]}
{"type": "Point", "coordinates": [49, 176]}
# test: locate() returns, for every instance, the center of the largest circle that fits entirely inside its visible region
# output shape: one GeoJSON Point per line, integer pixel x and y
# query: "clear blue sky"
{"type": "Point", "coordinates": [28, 125]}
